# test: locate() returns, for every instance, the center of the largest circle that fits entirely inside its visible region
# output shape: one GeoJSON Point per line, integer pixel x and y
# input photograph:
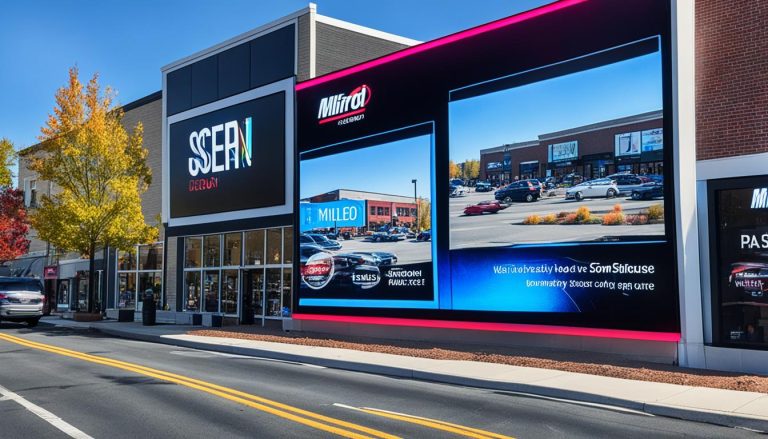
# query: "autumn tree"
{"type": "Point", "coordinates": [100, 172]}
{"type": "Point", "coordinates": [453, 170]}
{"type": "Point", "coordinates": [425, 214]}
{"type": "Point", "coordinates": [13, 224]}
{"type": "Point", "coordinates": [7, 159]}
{"type": "Point", "coordinates": [471, 169]}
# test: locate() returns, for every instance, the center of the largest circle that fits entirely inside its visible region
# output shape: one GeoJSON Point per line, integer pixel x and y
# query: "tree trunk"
{"type": "Point", "coordinates": [91, 277]}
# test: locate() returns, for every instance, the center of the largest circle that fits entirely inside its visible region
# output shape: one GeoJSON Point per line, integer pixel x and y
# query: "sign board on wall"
{"type": "Point", "coordinates": [571, 272]}
{"type": "Point", "coordinates": [627, 144]}
{"type": "Point", "coordinates": [653, 140]}
{"type": "Point", "coordinates": [332, 214]}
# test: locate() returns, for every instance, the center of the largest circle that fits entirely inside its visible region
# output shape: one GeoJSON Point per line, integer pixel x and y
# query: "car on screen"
{"type": "Point", "coordinates": [21, 300]}
{"type": "Point", "coordinates": [391, 235]}
{"type": "Point", "coordinates": [629, 182]}
{"type": "Point", "coordinates": [523, 190]}
{"type": "Point", "coordinates": [484, 207]}
{"type": "Point", "coordinates": [748, 282]}
{"type": "Point", "coordinates": [380, 258]}
{"type": "Point", "coordinates": [648, 192]}
{"type": "Point", "coordinates": [599, 188]}
{"type": "Point", "coordinates": [483, 186]}
{"type": "Point", "coordinates": [424, 235]}
{"type": "Point", "coordinates": [340, 269]}
{"type": "Point", "coordinates": [323, 241]}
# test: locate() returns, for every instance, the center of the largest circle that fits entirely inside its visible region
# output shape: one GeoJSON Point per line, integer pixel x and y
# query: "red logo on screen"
{"type": "Point", "coordinates": [344, 108]}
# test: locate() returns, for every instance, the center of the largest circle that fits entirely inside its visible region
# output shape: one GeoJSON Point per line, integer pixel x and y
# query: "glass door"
{"type": "Point", "coordinates": [252, 297]}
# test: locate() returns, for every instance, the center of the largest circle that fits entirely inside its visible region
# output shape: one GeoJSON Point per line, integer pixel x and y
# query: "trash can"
{"type": "Point", "coordinates": [149, 309]}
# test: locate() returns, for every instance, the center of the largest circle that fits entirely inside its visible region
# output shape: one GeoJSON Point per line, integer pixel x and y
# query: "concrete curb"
{"type": "Point", "coordinates": [689, 414]}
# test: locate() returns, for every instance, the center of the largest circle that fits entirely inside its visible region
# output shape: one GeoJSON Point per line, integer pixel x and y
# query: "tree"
{"type": "Point", "coordinates": [13, 224]}
{"type": "Point", "coordinates": [453, 170]}
{"type": "Point", "coordinates": [425, 214]}
{"type": "Point", "coordinates": [100, 171]}
{"type": "Point", "coordinates": [7, 159]}
{"type": "Point", "coordinates": [471, 169]}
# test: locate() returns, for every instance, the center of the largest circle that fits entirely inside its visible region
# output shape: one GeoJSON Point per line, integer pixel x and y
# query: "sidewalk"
{"type": "Point", "coordinates": [717, 406]}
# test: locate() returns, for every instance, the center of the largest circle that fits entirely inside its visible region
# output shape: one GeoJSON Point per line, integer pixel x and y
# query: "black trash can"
{"type": "Point", "coordinates": [149, 310]}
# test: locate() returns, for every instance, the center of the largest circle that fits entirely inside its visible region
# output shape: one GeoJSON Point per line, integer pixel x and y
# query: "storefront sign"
{"type": "Point", "coordinates": [333, 214]}
{"type": "Point", "coordinates": [559, 152]}
{"type": "Point", "coordinates": [653, 140]}
{"type": "Point", "coordinates": [51, 272]}
{"type": "Point", "coordinates": [627, 144]}
{"type": "Point", "coordinates": [493, 165]}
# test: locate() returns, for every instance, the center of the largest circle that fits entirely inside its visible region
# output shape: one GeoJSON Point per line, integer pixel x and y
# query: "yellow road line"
{"type": "Point", "coordinates": [463, 427]}
{"type": "Point", "coordinates": [220, 391]}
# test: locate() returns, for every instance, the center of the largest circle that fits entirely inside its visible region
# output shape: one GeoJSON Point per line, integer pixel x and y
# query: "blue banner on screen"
{"type": "Point", "coordinates": [333, 214]}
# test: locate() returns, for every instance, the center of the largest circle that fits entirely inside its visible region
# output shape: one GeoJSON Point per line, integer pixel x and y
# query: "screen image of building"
{"type": "Point", "coordinates": [382, 210]}
{"type": "Point", "coordinates": [632, 144]}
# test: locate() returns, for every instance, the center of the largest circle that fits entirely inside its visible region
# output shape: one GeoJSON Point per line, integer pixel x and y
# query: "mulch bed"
{"type": "Point", "coordinates": [571, 361]}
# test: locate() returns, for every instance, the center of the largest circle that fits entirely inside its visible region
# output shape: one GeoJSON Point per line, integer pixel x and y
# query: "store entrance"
{"type": "Point", "coordinates": [252, 297]}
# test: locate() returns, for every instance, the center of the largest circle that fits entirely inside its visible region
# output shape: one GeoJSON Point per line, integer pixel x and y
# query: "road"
{"type": "Point", "coordinates": [111, 393]}
{"type": "Point", "coordinates": [506, 228]}
{"type": "Point", "coordinates": [408, 251]}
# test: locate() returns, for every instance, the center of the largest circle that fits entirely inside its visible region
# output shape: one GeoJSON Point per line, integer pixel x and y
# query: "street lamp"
{"type": "Point", "coordinates": [416, 200]}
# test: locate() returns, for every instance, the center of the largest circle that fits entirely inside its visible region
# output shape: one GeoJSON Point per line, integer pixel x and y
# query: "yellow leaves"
{"type": "Point", "coordinates": [7, 158]}
{"type": "Point", "coordinates": [100, 169]}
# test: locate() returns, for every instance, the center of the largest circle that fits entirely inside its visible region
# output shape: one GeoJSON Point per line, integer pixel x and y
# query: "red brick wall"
{"type": "Point", "coordinates": [731, 78]}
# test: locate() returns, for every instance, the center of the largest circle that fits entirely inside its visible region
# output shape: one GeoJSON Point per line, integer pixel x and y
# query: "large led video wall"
{"type": "Point", "coordinates": [513, 173]}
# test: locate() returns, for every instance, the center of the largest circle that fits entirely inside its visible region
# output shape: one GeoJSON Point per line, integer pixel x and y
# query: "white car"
{"type": "Point", "coordinates": [600, 188]}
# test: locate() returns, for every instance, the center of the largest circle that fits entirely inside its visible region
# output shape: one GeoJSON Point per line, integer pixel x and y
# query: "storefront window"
{"type": "Point", "coordinates": [287, 297]}
{"type": "Point", "coordinates": [193, 251]}
{"type": "Point", "coordinates": [150, 283]}
{"type": "Point", "coordinates": [127, 291]}
{"type": "Point", "coordinates": [232, 249]}
{"type": "Point", "coordinates": [151, 257]}
{"type": "Point", "coordinates": [211, 291]}
{"type": "Point", "coordinates": [126, 261]}
{"type": "Point", "coordinates": [229, 287]}
{"type": "Point", "coordinates": [274, 292]}
{"type": "Point", "coordinates": [145, 276]}
{"type": "Point", "coordinates": [274, 246]}
{"type": "Point", "coordinates": [254, 247]}
{"type": "Point", "coordinates": [740, 263]}
{"type": "Point", "coordinates": [192, 291]}
{"type": "Point", "coordinates": [212, 251]}
{"type": "Point", "coordinates": [288, 245]}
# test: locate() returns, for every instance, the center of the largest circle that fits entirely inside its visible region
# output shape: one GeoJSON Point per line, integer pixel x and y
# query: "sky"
{"type": "Point", "coordinates": [387, 169]}
{"type": "Point", "coordinates": [523, 113]}
{"type": "Point", "coordinates": [127, 42]}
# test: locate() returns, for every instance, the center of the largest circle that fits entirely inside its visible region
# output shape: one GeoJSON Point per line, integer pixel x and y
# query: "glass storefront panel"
{"type": "Point", "coordinates": [126, 260]}
{"type": "Point", "coordinates": [254, 294]}
{"type": "Point", "coordinates": [288, 245]}
{"type": "Point", "coordinates": [232, 249]}
{"type": "Point", "coordinates": [254, 247]}
{"type": "Point", "coordinates": [192, 291]}
{"type": "Point", "coordinates": [127, 289]}
{"type": "Point", "coordinates": [287, 304]}
{"type": "Point", "coordinates": [150, 283]}
{"type": "Point", "coordinates": [274, 246]}
{"type": "Point", "coordinates": [211, 291]}
{"type": "Point", "coordinates": [212, 251]}
{"type": "Point", "coordinates": [229, 289]}
{"type": "Point", "coordinates": [273, 292]}
{"type": "Point", "coordinates": [82, 291]}
{"type": "Point", "coordinates": [150, 257]}
{"type": "Point", "coordinates": [193, 251]}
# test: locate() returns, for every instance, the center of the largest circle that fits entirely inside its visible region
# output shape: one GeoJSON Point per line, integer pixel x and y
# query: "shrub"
{"type": "Point", "coordinates": [637, 220]}
{"type": "Point", "coordinates": [570, 219]}
{"type": "Point", "coordinates": [617, 208]}
{"type": "Point", "coordinates": [583, 214]}
{"type": "Point", "coordinates": [656, 212]}
{"type": "Point", "coordinates": [532, 219]}
{"type": "Point", "coordinates": [613, 219]}
{"type": "Point", "coordinates": [594, 219]}
{"type": "Point", "coordinates": [549, 219]}
{"type": "Point", "coordinates": [562, 215]}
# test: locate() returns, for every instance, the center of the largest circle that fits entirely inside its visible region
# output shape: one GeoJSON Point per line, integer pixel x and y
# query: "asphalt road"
{"type": "Point", "coordinates": [408, 251]}
{"type": "Point", "coordinates": [100, 398]}
{"type": "Point", "coordinates": [506, 228]}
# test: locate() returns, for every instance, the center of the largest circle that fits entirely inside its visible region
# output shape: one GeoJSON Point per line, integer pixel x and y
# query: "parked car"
{"type": "Point", "coordinates": [323, 241]}
{"type": "Point", "coordinates": [629, 182]}
{"type": "Point", "coordinates": [484, 207]}
{"type": "Point", "coordinates": [380, 258]}
{"type": "Point", "coordinates": [523, 190]}
{"type": "Point", "coordinates": [536, 182]}
{"type": "Point", "coordinates": [456, 190]}
{"type": "Point", "coordinates": [21, 300]}
{"type": "Point", "coordinates": [424, 235]}
{"type": "Point", "coordinates": [648, 191]}
{"type": "Point", "coordinates": [483, 186]}
{"type": "Point", "coordinates": [602, 187]}
{"type": "Point", "coordinates": [748, 282]}
{"type": "Point", "coordinates": [344, 266]}
{"type": "Point", "coordinates": [409, 234]}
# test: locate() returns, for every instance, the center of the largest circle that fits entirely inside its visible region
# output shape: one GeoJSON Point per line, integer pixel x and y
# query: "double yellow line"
{"type": "Point", "coordinates": [305, 417]}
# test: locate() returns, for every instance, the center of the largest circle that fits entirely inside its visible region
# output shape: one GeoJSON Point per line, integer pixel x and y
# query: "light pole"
{"type": "Point", "coordinates": [416, 200]}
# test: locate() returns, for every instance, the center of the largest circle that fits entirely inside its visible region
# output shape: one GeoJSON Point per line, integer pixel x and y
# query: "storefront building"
{"type": "Point", "coordinates": [381, 210]}
{"type": "Point", "coordinates": [632, 144]}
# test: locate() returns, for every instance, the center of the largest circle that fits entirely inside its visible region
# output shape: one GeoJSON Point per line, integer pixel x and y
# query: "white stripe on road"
{"type": "Point", "coordinates": [43, 414]}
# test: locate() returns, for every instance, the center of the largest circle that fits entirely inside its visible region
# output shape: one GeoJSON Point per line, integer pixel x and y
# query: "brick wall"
{"type": "Point", "coordinates": [731, 78]}
{"type": "Point", "coordinates": [338, 48]}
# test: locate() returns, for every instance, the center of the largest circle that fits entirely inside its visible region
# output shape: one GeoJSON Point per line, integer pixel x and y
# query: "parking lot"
{"type": "Point", "coordinates": [506, 228]}
{"type": "Point", "coordinates": [408, 251]}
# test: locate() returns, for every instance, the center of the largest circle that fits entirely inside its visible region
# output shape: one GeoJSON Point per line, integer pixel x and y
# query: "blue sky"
{"type": "Point", "coordinates": [387, 168]}
{"type": "Point", "coordinates": [523, 113]}
{"type": "Point", "coordinates": [128, 42]}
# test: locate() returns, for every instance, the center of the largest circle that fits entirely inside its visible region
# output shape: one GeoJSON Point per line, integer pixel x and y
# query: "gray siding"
{"type": "Point", "coordinates": [303, 44]}
{"type": "Point", "coordinates": [339, 48]}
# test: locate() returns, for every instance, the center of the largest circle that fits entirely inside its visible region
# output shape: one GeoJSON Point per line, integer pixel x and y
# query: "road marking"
{"type": "Point", "coordinates": [44, 414]}
{"type": "Point", "coordinates": [427, 422]}
{"type": "Point", "coordinates": [250, 400]}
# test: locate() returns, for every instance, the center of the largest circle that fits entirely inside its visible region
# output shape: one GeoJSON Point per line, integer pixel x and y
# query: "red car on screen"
{"type": "Point", "coordinates": [484, 207]}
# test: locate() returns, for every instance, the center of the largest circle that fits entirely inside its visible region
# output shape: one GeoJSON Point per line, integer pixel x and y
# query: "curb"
{"type": "Point", "coordinates": [683, 413]}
